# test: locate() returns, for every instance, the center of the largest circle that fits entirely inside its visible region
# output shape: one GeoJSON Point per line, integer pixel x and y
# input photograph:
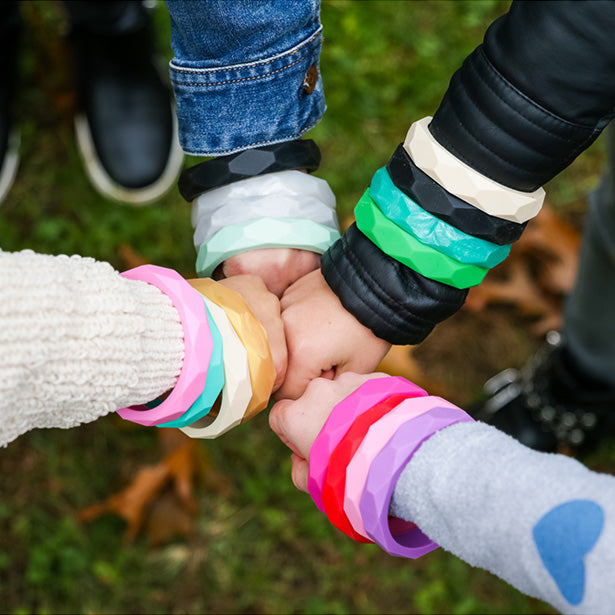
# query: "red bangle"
{"type": "Point", "coordinates": [334, 485]}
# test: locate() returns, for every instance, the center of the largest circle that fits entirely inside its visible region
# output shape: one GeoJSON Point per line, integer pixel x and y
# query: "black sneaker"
{"type": "Point", "coordinates": [548, 405]}
{"type": "Point", "coordinates": [126, 127]}
{"type": "Point", "coordinates": [10, 34]}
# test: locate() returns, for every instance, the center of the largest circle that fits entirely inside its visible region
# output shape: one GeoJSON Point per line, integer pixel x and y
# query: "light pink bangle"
{"type": "Point", "coordinates": [341, 418]}
{"type": "Point", "coordinates": [198, 346]}
{"type": "Point", "coordinates": [375, 440]}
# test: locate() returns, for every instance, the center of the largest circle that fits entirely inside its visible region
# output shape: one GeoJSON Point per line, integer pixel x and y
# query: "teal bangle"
{"type": "Point", "coordinates": [263, 233]}
{"type": "Point", "coordinates": [213, 384]}
{"type": "Point", "coordinates": [409, 251]}
{"type": "Point", "coordinates": [409, 215]}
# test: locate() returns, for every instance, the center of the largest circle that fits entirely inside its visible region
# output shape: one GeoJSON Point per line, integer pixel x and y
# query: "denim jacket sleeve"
{"type": "Point", "coordinates": [245, 73]}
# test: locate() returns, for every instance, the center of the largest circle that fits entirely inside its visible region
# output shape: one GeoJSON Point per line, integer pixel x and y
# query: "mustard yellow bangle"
{"type": "Point", "coordinates": [252, 336]}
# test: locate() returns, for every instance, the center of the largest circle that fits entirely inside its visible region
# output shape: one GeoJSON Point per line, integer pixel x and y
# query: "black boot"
{"type": "Point", "coordinates": [10, 34]}
{"type": "Point", "coordinates": [550, 405]}
{"type": "Point", "coordinates": [126, 126]}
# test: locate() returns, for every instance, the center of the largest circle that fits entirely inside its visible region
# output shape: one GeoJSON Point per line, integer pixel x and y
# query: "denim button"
{"type": "Point", "coordinates": [310, 80]}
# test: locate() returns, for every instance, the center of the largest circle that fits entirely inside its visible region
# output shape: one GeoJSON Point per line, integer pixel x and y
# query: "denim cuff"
{"type": "Point", "coordinates": [231, 108]}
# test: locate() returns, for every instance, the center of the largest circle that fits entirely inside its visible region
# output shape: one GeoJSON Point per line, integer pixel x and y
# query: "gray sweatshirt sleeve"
{"type": "Point", "coordinates": [542, 522]}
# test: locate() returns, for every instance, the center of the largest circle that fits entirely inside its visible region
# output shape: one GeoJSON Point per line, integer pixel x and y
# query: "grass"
{"type": "Point", "coordinates": [259, 546]}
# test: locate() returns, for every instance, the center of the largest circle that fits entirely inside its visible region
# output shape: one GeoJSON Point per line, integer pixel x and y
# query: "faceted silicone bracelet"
{"type": "Point", "coordinates": [339, 421]}
{"type": "Point", "coordinates": [252, 336]}
{"type": "Point", "coordinates": [334, 485]}
{"type": "Point", "coordinates": [373, 442]}
{"type": "Point", "coordinates": [223, 170]}
{"type": "Point", "coordinates": [409, 251]}
{"type": "Point", "coordinates": [286, 194]}
{"type": "Point", "coordinates": [198, 346]}
{"type": "Point", "coordinates": [403, 211]}
{"type": "Point", "coordinates": [466, 183]}
{"type": "Point", "coordinates": [446, 206]}
{"type": "Point", "coordinates": [263, 233]}
{"type": "Point", "coordinates": [237, 390]}
{"type": "Point", "coordinates": [384, 472]}
{"type": "Point", "coordinates": [213, 384]}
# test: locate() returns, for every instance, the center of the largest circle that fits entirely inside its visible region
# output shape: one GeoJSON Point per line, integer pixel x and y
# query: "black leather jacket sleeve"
{"type": "Point", "coordinates": [523, 105]}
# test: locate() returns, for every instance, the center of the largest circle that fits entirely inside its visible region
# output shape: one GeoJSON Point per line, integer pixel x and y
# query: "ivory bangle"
{"type": "Point", "coordinates": [466, 183]}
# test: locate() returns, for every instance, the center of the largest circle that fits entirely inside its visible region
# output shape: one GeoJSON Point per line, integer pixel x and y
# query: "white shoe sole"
{"type": "Point", "coordinates": [108, 187]}
{"type": "Point", "coordinates": [10, 164]}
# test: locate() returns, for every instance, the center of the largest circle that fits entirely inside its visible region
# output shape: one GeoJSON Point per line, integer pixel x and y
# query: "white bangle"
{"type": "Point", "coordinates": [466, 183]}
{"type": "Point", "coordinates": [285, 194]}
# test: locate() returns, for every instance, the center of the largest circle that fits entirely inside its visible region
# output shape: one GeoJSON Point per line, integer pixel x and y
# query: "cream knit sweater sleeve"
{"type": "Point", "coordinates": [78, 341]}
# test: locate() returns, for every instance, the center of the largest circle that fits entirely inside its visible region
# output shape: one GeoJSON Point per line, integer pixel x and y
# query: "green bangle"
{"type": "Point", "coordinates": [263, 233]}
{"type": "Point", "coordinates": [409, 251]}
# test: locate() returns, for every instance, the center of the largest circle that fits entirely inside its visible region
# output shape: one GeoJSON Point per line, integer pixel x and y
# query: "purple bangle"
{"type": "Point", "coordinates": [369, 394]}
{"type": "Point", "coordinates": [198, 346]}
{"type": "Point", "coordinates": [384, 473]}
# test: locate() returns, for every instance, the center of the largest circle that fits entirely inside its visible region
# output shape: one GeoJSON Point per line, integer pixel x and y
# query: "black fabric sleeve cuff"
{"type": "Point", "coordinates": [534, 95]}
{"type": "Point", "coordinates": [398, 304]}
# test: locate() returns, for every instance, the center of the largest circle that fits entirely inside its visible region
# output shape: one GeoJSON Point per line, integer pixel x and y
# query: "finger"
{"type": "Point", "coordinates": [300, 470]}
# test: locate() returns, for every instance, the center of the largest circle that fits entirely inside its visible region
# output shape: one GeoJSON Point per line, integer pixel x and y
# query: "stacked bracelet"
{"type": "Point", "coordinates": [263, 233]}
{"type": "Point", "coordinates": [405, 213]}
{"type": "Point", "coordinates": [334, 485]}
{"type": "Point", "coordinates": [466, 183]}
{"type": "Point", "coordinates": [237, 390]}
{"type": "Point", "coordinates": [213, 384]}
{"type": "Point", "coordinates": [433, 198]}
{"type": "Point", "coordinates": [387, 465]}
{"type": "Point", "coordinates": [252, 336]}
{"type": "Point", "coordinates": [409, 251]}
{"type": "Point", "coordinates": [286, 194]}
{"type": "Point", "coordinates": [289, 155]}
{"type": "Point", "coordinates": [197, 343]}
{"type": "Point", "coordinates": [340, 419]}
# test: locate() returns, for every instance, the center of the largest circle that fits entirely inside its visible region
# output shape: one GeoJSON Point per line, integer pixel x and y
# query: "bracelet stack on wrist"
{"type": "Point", "coordinates": [227, 359]}
{"type": "Point", "coordinates": [259, 198]}
{"type": "Point", "coordinates": [360, 453]}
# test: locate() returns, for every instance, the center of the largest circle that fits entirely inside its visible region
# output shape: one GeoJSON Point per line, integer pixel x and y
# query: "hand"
{"type": "Point", "coordinates": [322, 338]}
{"type": "Point", "coordinates": [266, 307]}
{"type": "Point", "coordinates": [297, 423]}
{"type": "Point", "coordinates": [278, 267]}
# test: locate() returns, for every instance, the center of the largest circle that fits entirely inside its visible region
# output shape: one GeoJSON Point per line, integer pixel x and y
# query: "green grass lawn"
{"type": "Point", "coordinates": [258, 546]}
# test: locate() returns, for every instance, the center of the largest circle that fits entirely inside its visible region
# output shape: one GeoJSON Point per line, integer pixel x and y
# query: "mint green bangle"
{"type": "Point", "coordinates": [263, 233]}
{"type": "Point", "coordinates": [213, 384]}
{"type": "Point", "coordinates": [410, 216]}
{"type": "Point", "coordinates": [409, 251]}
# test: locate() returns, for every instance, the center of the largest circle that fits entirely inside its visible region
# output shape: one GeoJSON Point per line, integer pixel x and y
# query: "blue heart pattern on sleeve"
{"type": "Point", "coordinates": [563, 537]}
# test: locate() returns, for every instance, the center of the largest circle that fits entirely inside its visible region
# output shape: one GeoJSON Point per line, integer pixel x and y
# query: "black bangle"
{"type": "Point", "coordinates": [287, 156]}
{"type": "Point", "coordinates": [432, 197]}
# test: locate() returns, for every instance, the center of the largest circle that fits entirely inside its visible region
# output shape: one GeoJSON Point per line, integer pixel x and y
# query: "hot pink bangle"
{"type": "Point", "coordinates": [343, 414]}
{"type": "Point", "coordinates": [384, 472]}
{"type": "Point", "coordinates": [375, 439]}
{"type": "Point", "coordinates": [197, 343]}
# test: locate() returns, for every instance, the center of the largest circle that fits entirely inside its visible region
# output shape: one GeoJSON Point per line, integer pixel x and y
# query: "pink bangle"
{"type": "Point", "coordinates": [385, 471]}
{"type": "Point", "coordinates": [341, 418]}
{"type": "Point", "coordinates": [374, 441]}
{"type": "Point", "coordinates": [198, 346]}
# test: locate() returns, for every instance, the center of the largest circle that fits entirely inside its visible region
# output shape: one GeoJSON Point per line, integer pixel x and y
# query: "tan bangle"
{"type": "Point", "coordinates": [252, 336]}
{"type": "Point", "coordinates": [466, 183]}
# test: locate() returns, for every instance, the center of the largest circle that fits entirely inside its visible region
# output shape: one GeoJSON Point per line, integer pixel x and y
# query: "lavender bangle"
{"type": "Point", "coordinates": [384, 473]}
{"type": "Point", "coordinates": [343, 414]}
{"type": "Point", "coordinates": [198, 346]}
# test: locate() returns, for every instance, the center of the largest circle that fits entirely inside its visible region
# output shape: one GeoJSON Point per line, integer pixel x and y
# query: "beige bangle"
{"type": "Point", "coordinates": [252, 336]}
{"type": "Point", "coordinates": [466, 183]}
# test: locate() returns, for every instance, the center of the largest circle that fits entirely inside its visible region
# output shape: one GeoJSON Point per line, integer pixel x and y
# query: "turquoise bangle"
{"type": "Point", "coordinates": [263, 233]}
{"type": "Point", "coordinates": [409, 251]}
{"type": "Point", "coordinates": [409, 215]}
{"type": "Point", "coordinates": [213, 384]}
